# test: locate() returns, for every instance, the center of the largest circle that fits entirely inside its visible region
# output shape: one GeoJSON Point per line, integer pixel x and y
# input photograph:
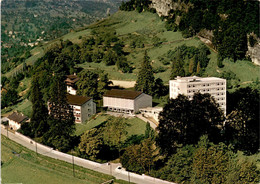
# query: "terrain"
{"type": "Point", "coordinates": [21, 165]}
{"type": "Point", "coordinates": [37, 22]}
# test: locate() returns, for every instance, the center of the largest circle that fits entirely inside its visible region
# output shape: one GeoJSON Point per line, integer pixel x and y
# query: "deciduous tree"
{"type": "Point", "coordinates": [183, 121]}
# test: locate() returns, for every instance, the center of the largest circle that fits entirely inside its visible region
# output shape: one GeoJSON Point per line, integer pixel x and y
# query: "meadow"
{"type": "Point", "coordinates": [21, 165]}
{"type": "Point", "coordinates": [135, 126]}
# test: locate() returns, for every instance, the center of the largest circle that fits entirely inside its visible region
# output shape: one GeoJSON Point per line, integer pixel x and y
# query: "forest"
{"type": "Point", "coordinates": [231, 22]}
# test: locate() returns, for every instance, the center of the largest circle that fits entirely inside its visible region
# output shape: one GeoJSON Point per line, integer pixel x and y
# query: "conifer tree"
{"type": "Point", "coordinates": [145, 80]}
{"type": "Point", "coordinates": [177, 65]}
{"type": "Point", "coordinates": [39, 110]}
{"type": "Point", "coordinates": [191, 66]}
{"type": "Point", "coordinates": [198, 68]}
{"type": "Point", "coordinates": [61, 120]}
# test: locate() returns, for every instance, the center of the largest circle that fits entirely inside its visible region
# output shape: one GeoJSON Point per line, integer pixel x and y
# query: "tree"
{"type": "Point", "coordinates": [91, 143]}
{"type": "Point", "coordinates": [9, 98]}
{"type": "Point", "coordinates": [61, 119]}
{"type": "Point", "coordinates": [115, 132]}
{"type": "Point", "coordinates": [211, 162]}
{"type": "Point", "coordinates": [242, 125]}
{"type": "Point", "coordinates": [191, 66]}
{"type": "Point", "coordinates": [145, 80]}
{"type": "Point", "coordinates": [139, 158]}
{"type": "Point", "coordinates": [39, 116]}
{"type": "Point", "coordinates": [87, 84]}
{"type": "Point", "coordinates": [159, 89]}
{"type": "Point", "coordinates": [149, 132]}
{"type": "Point", "coordinates": [92, 84]}
{"type": "Point", "coordinates": [110, 57]}
{"type": "Point", "coordinates": [178, 167]}
{"type": "Point", "coordinates": [177, 65]}
{"type": "Point", "coordinates": [182, 122]}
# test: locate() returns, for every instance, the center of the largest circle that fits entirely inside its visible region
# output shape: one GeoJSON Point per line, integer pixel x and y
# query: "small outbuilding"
{"type": "Point", "coordinates": [16, 120]}
{"type": "Point", "coordinates": [71, 84]}
{"type": "Point", "coordinates": [126, 101]}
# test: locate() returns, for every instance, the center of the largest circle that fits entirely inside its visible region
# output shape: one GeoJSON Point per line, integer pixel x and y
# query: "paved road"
{"type": "Point", "coordinates": [103, 168]}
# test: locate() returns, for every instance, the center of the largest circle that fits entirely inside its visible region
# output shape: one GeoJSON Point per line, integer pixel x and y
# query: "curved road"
{"type": "Point", "coordinates": [103, 168]}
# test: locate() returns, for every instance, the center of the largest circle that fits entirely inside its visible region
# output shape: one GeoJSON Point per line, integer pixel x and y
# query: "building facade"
{"type": "Point", "coordinates": [126, 101]}
{"type": "Point", "coordinates": [152, 112]}
{"type": "Point", "coordinates": [83, 107]}
{"type": "Point", "coordinates": [15, 120]}
{"type": "Point", "coordinates": [216, 87]}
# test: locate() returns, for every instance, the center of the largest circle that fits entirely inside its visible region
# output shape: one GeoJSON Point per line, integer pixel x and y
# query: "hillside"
{"type": "Point", "coordinates": [133, 26]}
{"type": "Point", "coordinates": [26, 24]}
{"type": "Point", "coordinates": [143, 28]}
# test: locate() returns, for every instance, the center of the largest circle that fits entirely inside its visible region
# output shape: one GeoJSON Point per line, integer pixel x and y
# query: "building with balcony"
{"type": "Point", "coordinates": [216, 87]}
{"type": "Point", "coordinates": [83, 107]}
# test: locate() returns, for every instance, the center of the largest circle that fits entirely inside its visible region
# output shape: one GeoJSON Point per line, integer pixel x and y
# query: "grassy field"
{"type": "Point", "coordinates": [135, 125]}
{"type": "Point", "coordinates": [245, 70]}
{"type": "Point", "coordinates": [20, 165]}
{"type": "Point", "coordinates": [130, 26]}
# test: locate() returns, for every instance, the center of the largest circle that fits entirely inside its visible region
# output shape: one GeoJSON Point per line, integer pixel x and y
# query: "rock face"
{"type": "Point", "coordinates": [254, 53]}
{"type": "Point", "coordinates": [162, 6]}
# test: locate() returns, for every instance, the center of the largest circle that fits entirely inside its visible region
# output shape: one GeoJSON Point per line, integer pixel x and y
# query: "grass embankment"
{"type": "Point", "coordinates": [135, 126]}
{"type": "Point", "coordinates": [21, 165]}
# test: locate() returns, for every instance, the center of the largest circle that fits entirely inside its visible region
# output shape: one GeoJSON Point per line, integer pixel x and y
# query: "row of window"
{"type": "Point", "coordinates": [205, 90]}
{"type": "Point", "coordinates": [205, 85]}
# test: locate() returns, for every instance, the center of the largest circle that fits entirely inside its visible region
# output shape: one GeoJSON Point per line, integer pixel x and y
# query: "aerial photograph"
{"type": "Point", "coordinates": [130, 91]}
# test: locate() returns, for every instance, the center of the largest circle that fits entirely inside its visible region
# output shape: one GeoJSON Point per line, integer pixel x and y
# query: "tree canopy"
{"type": "Point", "coordinates": [145, 80]}
{"type": "Point", "coordinates": [183, 121]}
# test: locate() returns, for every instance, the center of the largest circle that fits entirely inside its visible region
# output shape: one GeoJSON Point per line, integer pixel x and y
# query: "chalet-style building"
{"type": "Point", "coordinates": [71, 84]}
{"type": "Point", "coordinates": [83, 107]}
{"type": "Point", "coordinates": [126, 101]}
{"type": "Point", "coordinates": [16, 120]}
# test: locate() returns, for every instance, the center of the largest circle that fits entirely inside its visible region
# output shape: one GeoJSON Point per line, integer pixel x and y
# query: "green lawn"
{"type": "Point", "coordinates": [135, 125]}
{"type": "Point", "coordinates": [25, 106]}
{"type": "Point", "coordinates": [82, 127]}
{"type": "Point", "coordinates": [26, 167]}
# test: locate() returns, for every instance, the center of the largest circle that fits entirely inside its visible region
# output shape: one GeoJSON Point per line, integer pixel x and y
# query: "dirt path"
{"type": "Point", "coordinates": [124, 84]}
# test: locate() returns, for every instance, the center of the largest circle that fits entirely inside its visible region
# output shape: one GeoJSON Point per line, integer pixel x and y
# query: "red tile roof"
{"type": "Point", "coordinates": [77, 100]}
{"type": "Point", "coordinates": [127, 94]}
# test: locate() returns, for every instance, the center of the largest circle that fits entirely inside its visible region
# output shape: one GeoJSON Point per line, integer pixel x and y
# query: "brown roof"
{"type": "Point", "coordinates": [77, 100]}
{"type": "Point", "coordinates": [72, 78]}
{"type": "Point", "coordinates": [117, 93]}
{"type": "Point", "coordinates": [17, 117]}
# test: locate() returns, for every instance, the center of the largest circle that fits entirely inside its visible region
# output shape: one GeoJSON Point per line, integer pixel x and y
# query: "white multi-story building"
{"type": "Point", "coordinates": [83, 107]}
{"type": "Point", "coordinates": [126, 101]}
{"type": "Point", "coordinates": [216, 87]}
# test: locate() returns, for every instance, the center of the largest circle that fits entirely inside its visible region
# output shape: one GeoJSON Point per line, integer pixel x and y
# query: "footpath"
{"type": "Point", "coordinates": [115, 170]}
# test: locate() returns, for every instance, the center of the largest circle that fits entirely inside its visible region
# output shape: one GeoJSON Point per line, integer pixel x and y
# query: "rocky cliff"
{"type": "Point", "coordinates": [164, 6]}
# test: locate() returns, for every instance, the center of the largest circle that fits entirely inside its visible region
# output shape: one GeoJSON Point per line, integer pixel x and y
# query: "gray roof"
{"type": "Point", "coordinates": [17, 117]}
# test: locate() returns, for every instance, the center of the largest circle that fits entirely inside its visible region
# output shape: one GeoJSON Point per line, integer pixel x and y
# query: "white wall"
{"type": "Point", "coordinates": [14, 125]}
{"type": "Point", "coordinates": [118, 103]}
